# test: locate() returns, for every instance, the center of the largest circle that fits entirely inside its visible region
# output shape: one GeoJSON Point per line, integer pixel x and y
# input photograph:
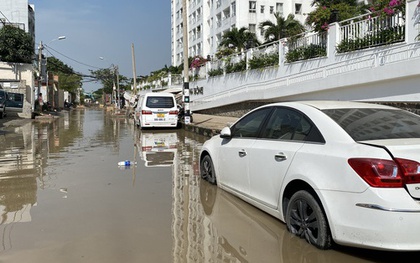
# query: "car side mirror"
{"type": "Point", "coordinates": [226, 133]}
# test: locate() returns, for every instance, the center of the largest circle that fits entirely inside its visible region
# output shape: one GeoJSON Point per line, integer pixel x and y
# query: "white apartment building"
{"type": "Point", "coordinates": [19, 13]}
{"type": "Point", "coordinates": [209, 19]}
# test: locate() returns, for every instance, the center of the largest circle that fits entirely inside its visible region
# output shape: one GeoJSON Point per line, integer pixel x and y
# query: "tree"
{"type": "Point", "coordinates": [281, 28]}
{"type": "Point", "coordinates": [239, 39]}
{"type": "Point", "coordinates": [16, 45]}
{"type": "Point", "coordinates": [328, 11]}
{"type": "Point", "coordinates": [108, 78]}
{"type": "Point", "coordinates": [68, 79]}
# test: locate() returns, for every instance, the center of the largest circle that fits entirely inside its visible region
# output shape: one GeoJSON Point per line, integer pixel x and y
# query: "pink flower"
{"type": "Point", "coordinates": [393, 3]}
{"type": "Point", "coordinates": [388, 11]}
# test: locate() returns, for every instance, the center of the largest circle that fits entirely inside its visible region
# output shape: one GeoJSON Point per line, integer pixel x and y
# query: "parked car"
{"type": "Point", "coordinates": [333, 171]}
{"type": "Point", "coordinates": [3, 100]}
{"type": "Point", "coordinates": [14, 102]}
{"type": "Point", "coordinates": [157, 109]}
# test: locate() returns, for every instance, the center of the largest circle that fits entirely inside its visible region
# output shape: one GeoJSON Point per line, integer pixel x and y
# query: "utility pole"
{"type": "Point", "coordinates": [40, 48]}
{"type": "Point", "coordinates": [186, 86]}
{"type": "Point", "coordinates": [118, 87]}
{"type": "Point", "coordinates": [134, 70]}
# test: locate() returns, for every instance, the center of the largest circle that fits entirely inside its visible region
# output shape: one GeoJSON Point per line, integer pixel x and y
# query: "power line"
{"type": "Point", "coordinates": [50, 48]}
{"type": "Point", "coordinates": [4, 17]}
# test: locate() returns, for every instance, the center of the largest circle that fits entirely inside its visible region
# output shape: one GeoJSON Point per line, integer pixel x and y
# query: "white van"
{"type": "Point", "coordinates": [157, 109]}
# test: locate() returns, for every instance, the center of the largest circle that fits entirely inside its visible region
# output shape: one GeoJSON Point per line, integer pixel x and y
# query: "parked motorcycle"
{"type": "Point", "coordinates": [181, 114]}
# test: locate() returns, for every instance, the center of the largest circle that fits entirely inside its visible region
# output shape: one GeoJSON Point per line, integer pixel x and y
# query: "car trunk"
{"type": "Point", "coordinates": [405, 149]}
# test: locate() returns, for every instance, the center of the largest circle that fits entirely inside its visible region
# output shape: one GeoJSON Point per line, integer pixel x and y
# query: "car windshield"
{"type": "Point", "coordinates": [160, 102]}
{"type": "Point", "coordinates": [376, 124]}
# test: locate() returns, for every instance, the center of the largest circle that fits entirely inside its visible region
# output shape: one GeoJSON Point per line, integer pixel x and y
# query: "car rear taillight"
{"type": "Point", "coordinates": [386, 173]}
{"type": "Point", "coordinates": [146, 148]}
{"type": "Point", "coordinates": [146, 112]}
{"type": "Point", "coordinates": [377, 172]}
{"type": "Point", "coordinates": [173, 112]}
{"type": "Point", "coordinates": [410, 169]}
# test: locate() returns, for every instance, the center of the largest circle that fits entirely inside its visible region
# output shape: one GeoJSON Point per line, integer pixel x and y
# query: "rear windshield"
{"type": "Point", "coordinates": [160, 102]}
{"type": "Point", "coordinates": [376, 124]}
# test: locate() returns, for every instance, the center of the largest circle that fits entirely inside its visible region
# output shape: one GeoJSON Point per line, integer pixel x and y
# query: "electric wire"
{"type": "Point", "coordinates": [81, 63]}
{"type": "Point", "coordinates": [5, 17]}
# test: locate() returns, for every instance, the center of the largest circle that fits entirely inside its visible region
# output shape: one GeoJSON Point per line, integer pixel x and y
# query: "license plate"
{"type": "Point", "coordinates": [161, 115]}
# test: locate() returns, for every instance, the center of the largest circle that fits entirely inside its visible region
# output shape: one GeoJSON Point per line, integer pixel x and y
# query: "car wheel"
{"type": "Point", "coordinates": [1, 115]}
{"type": "Point", "coordinates": [305, 218]}
{"type": "Point", "coordinates": [207, 170]}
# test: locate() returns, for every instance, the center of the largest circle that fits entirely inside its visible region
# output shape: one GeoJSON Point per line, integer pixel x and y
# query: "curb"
{"type": "Point", "coordinates": [201, 130]}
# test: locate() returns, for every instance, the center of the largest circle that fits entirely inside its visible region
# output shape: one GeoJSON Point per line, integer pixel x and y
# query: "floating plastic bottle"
{"type": "Point", "coordinates": [126, 163]}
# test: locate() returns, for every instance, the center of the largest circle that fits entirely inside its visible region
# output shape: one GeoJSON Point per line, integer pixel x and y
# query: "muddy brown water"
{"type": "Point", "coordinates": [63, 198]}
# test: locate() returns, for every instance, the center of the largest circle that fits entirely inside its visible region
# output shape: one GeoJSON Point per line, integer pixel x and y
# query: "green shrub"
{"type": "Point", "coordinates": [236, 67]}
{"type": "Point", "coordinates": [266, 60]}
{"type": "Point", "coordinates": [306, 52]}
{"type": "Point", "coordinates": [215, 72]}
{"type": "Point", "coordinates": [383, 37]}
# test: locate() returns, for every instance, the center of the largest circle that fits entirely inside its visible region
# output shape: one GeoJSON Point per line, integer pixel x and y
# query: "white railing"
{"type": "Point", "coordinates": [370, 31]}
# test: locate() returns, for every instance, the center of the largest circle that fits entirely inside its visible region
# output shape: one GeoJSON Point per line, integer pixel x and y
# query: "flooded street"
{"type": "Point", "coordinates": [63, 198]}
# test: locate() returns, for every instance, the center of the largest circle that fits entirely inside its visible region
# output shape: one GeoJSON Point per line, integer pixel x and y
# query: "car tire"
{"type": "Point", "coordinates": [1, 115]}
{"type": "Point", "coordinates": [306, 219]}
{"type": "Point", "coordinates": [207, 170]}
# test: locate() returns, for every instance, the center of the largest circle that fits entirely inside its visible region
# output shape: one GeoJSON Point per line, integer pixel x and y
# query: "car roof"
{"type": "Point", "coordinates": [159, 94]}
{"type": "Point", "coordinates": [338, 104]}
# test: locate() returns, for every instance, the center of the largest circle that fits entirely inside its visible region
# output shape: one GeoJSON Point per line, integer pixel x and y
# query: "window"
{"type": "Point", "coordinates": [15, 100]}
{"type": "Point", "coordinates": [252, 6]}
{"type": "Point", "coordinates": [252, 28]}
{"type": "Point", "coordinates": [287, 124]}
{"type": "Point", "coordinates": [262, 9]}
{"type": "Point", "coordinates": [376, 124]}
{"type": "Point", "coordinates": [271, 9]}
{"type": "Point", "coordinates": [233, 9]}
{"type": "Point", "coordinates": [250, 125]}
{"type": "Point", "coordinates": [298, 9]}
{"type": "Point", "coordinates": [279, 8]}
{"type": "Point", "coordinates": [160, 102]}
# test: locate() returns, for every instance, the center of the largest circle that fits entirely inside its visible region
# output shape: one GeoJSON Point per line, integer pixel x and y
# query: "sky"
{"type": "Point", "coordinates": [100, 33]}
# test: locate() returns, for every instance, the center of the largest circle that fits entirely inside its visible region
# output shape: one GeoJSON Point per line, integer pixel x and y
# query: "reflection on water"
{"type": "Point", "coordinates": [64, 199]}
{"type": "Point", "coordinates": [158, 148]}
{"type": "Point", "coordinates": [24, 153]}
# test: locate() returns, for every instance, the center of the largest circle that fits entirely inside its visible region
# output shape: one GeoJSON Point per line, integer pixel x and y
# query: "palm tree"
{"type": "Point", "coordinates": [281, 28]}
{"type": "Point", "coordinates": [238, 39]}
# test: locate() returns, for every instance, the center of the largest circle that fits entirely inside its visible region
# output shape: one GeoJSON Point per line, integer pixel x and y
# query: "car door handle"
{"type": "Point", "coordinates": [280, 157]}
{"type": "Point", "coordinates": [242, 153]}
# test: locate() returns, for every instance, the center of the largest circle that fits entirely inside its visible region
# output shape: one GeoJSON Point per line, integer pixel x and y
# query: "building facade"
{"type": "Point", "coordinates": [18, 77]}
{"type": "Point", "coordinates": [19, 13]}
{"type": "Point", "coordinates": [208, 20]}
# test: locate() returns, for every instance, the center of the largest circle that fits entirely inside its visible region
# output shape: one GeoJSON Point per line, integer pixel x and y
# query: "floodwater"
{"type": "Point", "coordinates": [63, 198]}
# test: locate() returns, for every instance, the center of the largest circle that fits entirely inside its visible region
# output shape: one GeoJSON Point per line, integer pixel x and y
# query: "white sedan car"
{"type": "Point", "coordinates": [333, 171]}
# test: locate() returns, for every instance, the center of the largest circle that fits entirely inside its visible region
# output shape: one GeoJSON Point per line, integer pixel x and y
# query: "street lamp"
{"type": "Point", "coordinates": [58, 38]}
{"type": "Point", "coordinates": [40, 48]}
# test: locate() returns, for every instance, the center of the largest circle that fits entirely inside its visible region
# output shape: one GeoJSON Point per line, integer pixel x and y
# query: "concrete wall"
{"type": "Point", "coordinates": [19, 78]}
{"type": "Point", "coordinates": [384, 74]}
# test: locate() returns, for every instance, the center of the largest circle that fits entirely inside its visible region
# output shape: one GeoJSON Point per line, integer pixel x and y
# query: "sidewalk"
{"type": "Point", "coordinates": [209, 125]}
